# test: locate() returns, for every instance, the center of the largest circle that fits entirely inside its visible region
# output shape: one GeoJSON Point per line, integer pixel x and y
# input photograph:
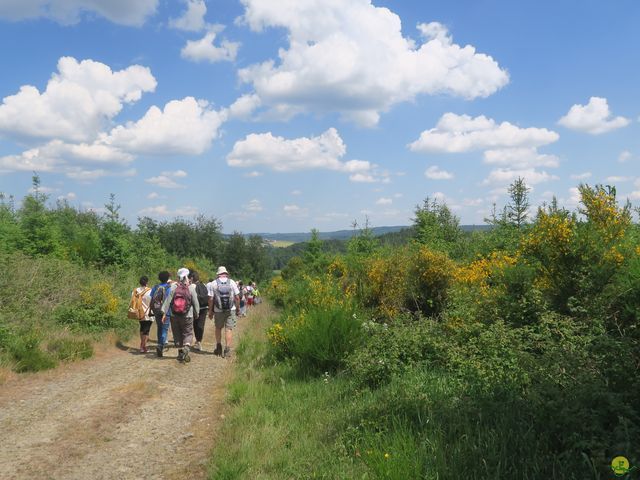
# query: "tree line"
{"type": "Point", "coordinates": [106, 240]}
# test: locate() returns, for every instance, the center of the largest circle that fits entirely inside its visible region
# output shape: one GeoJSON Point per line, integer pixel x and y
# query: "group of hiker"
{"type": "Point", "coordinates": [184, 304]}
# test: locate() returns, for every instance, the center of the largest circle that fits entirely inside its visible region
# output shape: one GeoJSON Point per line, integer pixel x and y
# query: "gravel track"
{"type": "Point", "coordinates": [118, 415]}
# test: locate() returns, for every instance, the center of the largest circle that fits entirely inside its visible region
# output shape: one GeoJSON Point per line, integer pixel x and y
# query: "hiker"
{"type": "Point", "coordinates": [158, 293]}
{"type": "Point", "coordinates": [203, 301]}
{"type": "Point", "coordinates": [139, 309]}
{"type": "Point", "coordinates": [243, 299]}
{"type": "Point", "coordinates": [224, 301]}
{"type": "Point", "coordinates": [256, 294]}
{"type": "Point", "coordinates": [182, 302]}
{"type": "Point", "coordinates": [250, 293]}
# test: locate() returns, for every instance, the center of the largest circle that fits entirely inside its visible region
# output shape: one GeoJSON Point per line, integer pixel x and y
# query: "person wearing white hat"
{"type": "Point", "coordinates": [182, 302]}
{"type": "Point", "coordinates": [224, 301]}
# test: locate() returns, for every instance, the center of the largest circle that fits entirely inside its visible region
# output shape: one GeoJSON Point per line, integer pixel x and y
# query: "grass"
{"type": "Point", "coordinates": [281, 243]}
{"type": "Point", "coordinates": [32, 298]}
{"type": "Point", "coordinates": [270, 432]}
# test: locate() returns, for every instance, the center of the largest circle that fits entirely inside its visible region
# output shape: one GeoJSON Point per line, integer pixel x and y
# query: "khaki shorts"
{"type": "Point", "coordinates": [225, 319]}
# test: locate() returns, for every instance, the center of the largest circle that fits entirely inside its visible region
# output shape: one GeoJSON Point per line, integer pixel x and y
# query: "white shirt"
{"type": "Point", "coordinates": [213, 286]}
{"type": "Point", "coordinates": [146, 302]}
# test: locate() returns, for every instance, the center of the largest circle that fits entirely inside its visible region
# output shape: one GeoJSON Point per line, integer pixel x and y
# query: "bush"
{"type": "Point", "coordinates": [70, 349]}
{"type": "Point", "coordinates": [321, 339]}
{"type": "Point", "coordinates": [388, 350]}
{"type": "Point", "coordinates": [28, 356]}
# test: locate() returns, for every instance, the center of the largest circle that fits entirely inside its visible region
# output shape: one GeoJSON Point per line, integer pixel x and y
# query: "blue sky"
{"type": "Point", "coordinates": [281, 116]}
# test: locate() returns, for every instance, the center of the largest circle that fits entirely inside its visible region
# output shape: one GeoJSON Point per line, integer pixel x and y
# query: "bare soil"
{"type": "Point", "coordinates": [121, 415]}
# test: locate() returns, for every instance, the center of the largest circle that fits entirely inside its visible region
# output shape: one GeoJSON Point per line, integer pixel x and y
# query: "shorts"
{"type": "Point", "coordinates": [249, 300]}
{"type": "Point", "coordinates": [225, 319]}
{"type": "Point", "coordinates": [145, 326]}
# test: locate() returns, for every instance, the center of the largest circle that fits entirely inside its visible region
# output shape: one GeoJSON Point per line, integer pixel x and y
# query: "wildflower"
{"type": "Point", "coordinates": [386, 455]}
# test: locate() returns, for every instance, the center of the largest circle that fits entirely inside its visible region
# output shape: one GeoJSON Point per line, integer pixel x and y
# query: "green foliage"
{"type": "Point", "coordinates": [322, 339]}
{"type": "Point", "coordinates": [518, 207]}
{"type": "Point", "coordinates": [436, 226]}
{"type": "Point", "coordinates": [26, 352]}
{"type": "Point", "coordinates": [69, 349]}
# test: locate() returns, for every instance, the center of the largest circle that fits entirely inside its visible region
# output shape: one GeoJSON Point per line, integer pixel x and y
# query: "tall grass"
{"type": "Point", "coordinates": [53, 310]}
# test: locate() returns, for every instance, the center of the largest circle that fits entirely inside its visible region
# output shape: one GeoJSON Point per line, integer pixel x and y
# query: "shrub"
{"type": "Point", "coordinates": [321, 339]}
{"type": "Point", "coordinates": [389, 349]}
{"type": "Point", "coordinates": [70, 349]}
{"type": "Point", "coordinates": [27, 354]}
{"type": "Point", "coordinates": [413, 279]}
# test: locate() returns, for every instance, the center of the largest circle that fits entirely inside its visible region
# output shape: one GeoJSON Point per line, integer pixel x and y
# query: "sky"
{"type": "Point", "coordinates": [282, 116]}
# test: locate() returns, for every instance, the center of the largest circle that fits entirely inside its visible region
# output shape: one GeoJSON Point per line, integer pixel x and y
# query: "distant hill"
{"type": "Point", "coordinates": [337, 235]}
{"type": "Point", "coordinates": [347, 234]}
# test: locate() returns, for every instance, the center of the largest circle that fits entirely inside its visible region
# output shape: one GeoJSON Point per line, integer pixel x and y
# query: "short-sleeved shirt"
{"type": "Point", "coordinates": [213, 286]}
{"type": "Point", "coordinates": [146, 302]}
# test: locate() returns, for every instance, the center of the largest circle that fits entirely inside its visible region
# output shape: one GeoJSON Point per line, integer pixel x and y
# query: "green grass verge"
{"type": "Point", "coordinates": [281, 425]}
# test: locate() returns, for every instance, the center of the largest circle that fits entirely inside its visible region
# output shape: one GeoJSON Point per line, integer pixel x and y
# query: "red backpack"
{"type": "Point", "coordinates": [181, 302]}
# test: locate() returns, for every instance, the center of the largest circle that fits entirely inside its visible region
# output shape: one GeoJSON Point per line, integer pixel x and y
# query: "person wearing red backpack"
{"type": "Point", "coordinates": [182, 302]}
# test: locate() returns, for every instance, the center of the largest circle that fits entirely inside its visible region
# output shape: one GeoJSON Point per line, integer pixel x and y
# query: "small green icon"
{"type": "Point", "coordinates": [620, 466]}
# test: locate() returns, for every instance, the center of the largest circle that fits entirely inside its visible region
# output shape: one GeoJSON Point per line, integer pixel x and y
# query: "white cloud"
{"type": "Point", "coordinates": [244, 106]}
{"type": "Point", "coordinates": [58, 156]}
{"type": "Point", "coordinates": [184, 126]}
{"type": "Point", "coordinates": [166, 179]}
{"type": "Point", "coordinates": [164, 211]}
{"type": "Point", "coordinates": [153, 196]}
{"type": "Point", "coordinates": [89, 175]}
{"type": "Point", "coordinates": [580, 176]}
{"type": "Point", "coordinates": [295, 211]}
{"type": "Point", "coordinates": [384, 201]}
{"type": "Point", "coordinates": [254, 206]}
{"type": "Point", "coordinates": [253, 174]}
{"type": "Point", "coordinates": [77, 103]}
{"type": "Point", "coordinates": [296, 192]}
{"type": "Point", "coordinates": [594, 118]}
{"type": "Point", "coordinates": [351, 57]}
{"type": "Point", "coordinates": [634, 195]}
{"type": "Point", "coordinates": [305, 153]}
{"type": "Point", "coordinates": [70, 196]}
{"type": "Point", "coordinates": [205, 50]}
{"type": "Point", "coordinates": [502, 176]}
{"type": "Point", "coordinates": [520, 158]}
{"type": "Point", "coordinates": [473, 202]}
{"type": "Point", "coordinates": [435, 173]}
{"type": "Point", "coordinates": [192, 19]}
{"type": "Point", "coordinates": [462, 133]}
{"type": "Point", "coordinates": [624, 156]}
{"type": "Point", "coordinates": [618, 179]}
{"type": "Point", "coordinates": [67, 12]}
{"type": "Point", "coordinates": [362, 178]}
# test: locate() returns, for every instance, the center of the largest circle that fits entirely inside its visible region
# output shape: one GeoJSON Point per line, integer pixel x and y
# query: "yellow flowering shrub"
{"type": "Point", "coordinates": [99, 294]}
{"type": "Point", "coordinates": [602, 211]}
{"type": "Point", "coordinates": [478, 273]}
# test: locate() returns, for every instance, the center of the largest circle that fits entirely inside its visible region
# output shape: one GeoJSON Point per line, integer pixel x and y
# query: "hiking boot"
{"type": "Point", "coordinates": [159, 351]}
{"type": "Point", "coordinates": [197, 346]}
{"type": "Point", "coordinates": [227, 352]}
{"type": "Point", "coordinates": [218, 350]}
{"type": "Point", "coordinates": [185, 355]}
{"type": "Point", "coordinates": [180, 355]}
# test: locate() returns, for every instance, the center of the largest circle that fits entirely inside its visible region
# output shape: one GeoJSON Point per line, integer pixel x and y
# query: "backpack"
{"type": "Point", "coordinates": [181, 302]}
{"type": "Point", "coordinates": [203, 295]}
{"type": "Point", "coordinates": [136, 308]}
{"type": "Point", "coordinates": [157, 300]}
{"type": "Point", "coordinates": [223, 295]}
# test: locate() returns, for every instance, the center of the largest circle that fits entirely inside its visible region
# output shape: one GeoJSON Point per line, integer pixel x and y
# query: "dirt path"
{"type": "Point", "coordinates": [118, 415]}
